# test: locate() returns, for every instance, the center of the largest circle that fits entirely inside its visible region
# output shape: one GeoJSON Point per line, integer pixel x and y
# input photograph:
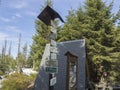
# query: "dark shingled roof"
{"type": "Point", "coordinates": [49, 14]}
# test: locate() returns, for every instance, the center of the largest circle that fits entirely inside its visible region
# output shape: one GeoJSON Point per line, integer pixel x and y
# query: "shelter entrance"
{"type": "Point", "coordinates": [72, 71]}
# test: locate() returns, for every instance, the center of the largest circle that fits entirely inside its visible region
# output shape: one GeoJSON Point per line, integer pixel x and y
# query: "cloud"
{"type": "Point", "coordinates": [13, 29]}
{"type": "Point", "coordinates": [18, 15]}
{"type": "Point", "coordinates": [8, 37]}
{"type": "Point", "coordinates": [12, 18]}
{"type": "Point", "coordinates": [31, 13]}
{"type": "Point", "coordinates": [3, 36]}
{"type": "Point", "coordinates": [18, 4]}
{"type": "Point", "coordinates": [5, 19]}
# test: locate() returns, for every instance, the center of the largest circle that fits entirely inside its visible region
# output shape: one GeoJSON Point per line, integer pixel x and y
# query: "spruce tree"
{"type": "Point", "coordinates": [116, 57]}
{"type": "Point", "coordinates": [101, 37]}
{"type": "Point", "coordinates": [96, 24]}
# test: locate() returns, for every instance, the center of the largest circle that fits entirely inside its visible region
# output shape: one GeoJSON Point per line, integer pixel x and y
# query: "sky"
{"type": "Point", "coordinates": [18, 16]}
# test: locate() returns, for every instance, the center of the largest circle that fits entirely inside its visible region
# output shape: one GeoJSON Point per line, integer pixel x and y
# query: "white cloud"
{"type": "Point", "coordinates": [13, 29]}
{"type": "Point", "coordinates": [31, 13]}
{"type": "Point", "coordinates": [7, 36]}
{"type": "Point", "coordinates": [18, 15]}
{"type": "Point", "coordinates": [18, 4]}
{"type": "Point", "coordinates": [5, 19]}
{"type": "Point", "coordinates": [3, 36]}
{"type": "Point", "coordinates": [12, 18]}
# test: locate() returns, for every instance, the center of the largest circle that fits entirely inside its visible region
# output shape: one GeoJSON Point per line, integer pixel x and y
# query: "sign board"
{"type": "Point", "coordinates": [53, 81]}
{"type": "Point", "coordinates": [52, 36]}
{"type": "Point", "coordinates": [51, 63]}
{"type": "Point", "coordinates": [53, 49]}
{"type": "Point", "coordinates": [51, 69]}
{"type": "Point", "coordinates": [53, 43]}
{"type": "Point", "coordinates": [53, 30]}
{"type": "Point", "coordinates": [53, 56]}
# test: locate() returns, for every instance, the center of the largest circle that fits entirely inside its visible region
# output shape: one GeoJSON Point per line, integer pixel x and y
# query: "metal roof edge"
{"type": "Point", "coordinates": [71, 41]}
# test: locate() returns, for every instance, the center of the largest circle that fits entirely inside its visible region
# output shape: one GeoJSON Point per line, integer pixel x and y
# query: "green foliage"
{"type": "Point", "coordinates": [22, 57]}
{"type": "Point", "coordinates": [39, 42]}
{"type": "Point", "coordinates": [7, 63]}
{"type": "Point", "coordinates": [1, 73]}
{"type": "Point", "coordinates": [95, 23]}
{"type": "Point", "coordinates": [16, 81]}
{"type": "Point", "coordinates": [115, 72]}
{"type": "Point", "coordinates": [20, 60]}
{"type": "Point", "coordinates": [33, 76]}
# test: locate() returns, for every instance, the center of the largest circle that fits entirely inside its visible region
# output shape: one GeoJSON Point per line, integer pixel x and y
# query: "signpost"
{"type": "Point", "coordinates": [53, 81]}
{"type": "Point", "coordinates": [51, 65]}
{"type": "Point", "coordinates": [48, 15]}
{"type": "Point", "coordinates": [51, 69]}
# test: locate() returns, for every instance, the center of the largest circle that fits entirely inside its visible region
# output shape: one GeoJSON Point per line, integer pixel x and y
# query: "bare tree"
{"type": "Point", "coordinates": [9, 52]}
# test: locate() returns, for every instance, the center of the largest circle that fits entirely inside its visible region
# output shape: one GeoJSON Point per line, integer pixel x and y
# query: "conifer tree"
{"type": "Point", "coordinates": [96, 24]}
{"type": "Point", "coordinates": [116, 57]}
